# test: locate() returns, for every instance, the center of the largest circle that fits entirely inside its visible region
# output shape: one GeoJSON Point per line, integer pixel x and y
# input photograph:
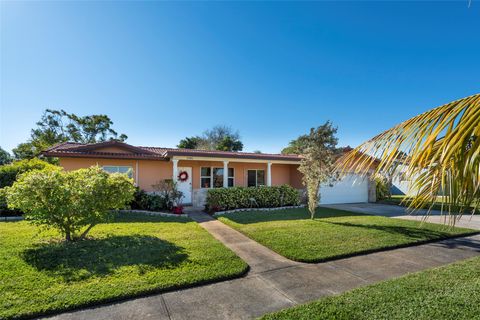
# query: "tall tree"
{"type": "Point", "coordinates": [317, 165]}
{"type": "Point", "coordinates": [439, 151]}
{"type": "Point", "coordinates": [229, 144]}
{"type": "Point", "coordinates": [4, 157]}
{"type": "Point", "coordinates": [57, 126]}
{"type": "Point", "coordinates": [189, 143]}
{"type": "Point", "coordinates": [222, 138]}
{"type": "Point", "coordinates": [296, 146]}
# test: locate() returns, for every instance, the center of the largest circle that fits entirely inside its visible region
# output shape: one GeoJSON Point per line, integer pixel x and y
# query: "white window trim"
{"type": "Point", "coordinates": [211, 176]}
{"type": "Point", "coordinates": [256, 177]}
{"type": "Point", "coordinates": [128, 167]}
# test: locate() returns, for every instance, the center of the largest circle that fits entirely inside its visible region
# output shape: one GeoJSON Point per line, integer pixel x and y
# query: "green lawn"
{"type": "Point", "coordinates": [133, 255]}
{"type": "Point", "coordinates": [448, 292]}
{"type": "Point", "coordinates": [333, 233]}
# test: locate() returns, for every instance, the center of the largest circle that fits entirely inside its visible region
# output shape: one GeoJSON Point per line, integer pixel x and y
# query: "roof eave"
{"type": "Point", "coordinates": [103, 156]}
{"type": "Point", "coordinates": [239, 157]}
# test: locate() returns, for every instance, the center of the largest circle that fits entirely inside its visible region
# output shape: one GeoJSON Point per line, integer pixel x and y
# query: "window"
{"type": "Point", "coordinates": [231, 177]}
{"type": "Point", "coordinates": [119, 169]}
{"type": "Point", "coordinates": [255, 178]}
{"type": "Point", "coordinates": [213, 177]}
{"type": "Point", "coordinates": [205, 177]}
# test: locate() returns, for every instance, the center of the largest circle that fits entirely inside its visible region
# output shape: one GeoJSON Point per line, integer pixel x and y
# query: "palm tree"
{"type": "Point", "coordinates": [438, 151]}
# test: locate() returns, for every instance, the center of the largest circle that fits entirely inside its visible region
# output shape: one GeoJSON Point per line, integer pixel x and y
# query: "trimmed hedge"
{"type": "Point", "coordinates": [240, 197]}
{"type": "Point", "coordinates": [8, 175]}
{"type": "Point", "coordinates": [9, 172]}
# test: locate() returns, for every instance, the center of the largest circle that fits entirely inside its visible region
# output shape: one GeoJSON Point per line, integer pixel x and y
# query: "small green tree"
{"type": "Point", "coordinates": [72, 202]}
{"type": "Point", "coordinates": [317, 165]}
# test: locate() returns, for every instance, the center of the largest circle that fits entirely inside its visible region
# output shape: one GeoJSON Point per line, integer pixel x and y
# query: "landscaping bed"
{"type": "Point", "coordinates": [134, 255]}
{"type": "Point", "coordinates": [333, 233]}
{"type": "Point", "coordinates": [448, 292]}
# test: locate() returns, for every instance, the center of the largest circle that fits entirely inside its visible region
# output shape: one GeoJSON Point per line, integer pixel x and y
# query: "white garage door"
{"type": "Point", "coordinates": [350, 189]}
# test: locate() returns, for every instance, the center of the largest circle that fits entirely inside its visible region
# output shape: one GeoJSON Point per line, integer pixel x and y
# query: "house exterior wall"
{"type": "Point", "coordinates": [149, 171]}
{"type": "Point", "coordinates": [152, 171]}
{"type": "Point", "coordinates": [296, 177]}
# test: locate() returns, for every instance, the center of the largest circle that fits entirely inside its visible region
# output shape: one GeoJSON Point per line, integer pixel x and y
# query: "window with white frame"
{"type": "Point", "coordinates": [255, 178]}
{"type": "Point", "coordinates": [211, 177]}
{"type": "Point", "coordinates": [128, 170]}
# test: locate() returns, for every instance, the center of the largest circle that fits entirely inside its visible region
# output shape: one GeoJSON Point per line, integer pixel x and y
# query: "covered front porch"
{"type": "Point", "coordinates": [196, 175]}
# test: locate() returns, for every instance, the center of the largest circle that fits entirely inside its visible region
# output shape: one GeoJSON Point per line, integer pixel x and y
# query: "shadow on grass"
{"type": "Point", "coordinates": [410, 232]}
{"type": "Point", "coordinates": [249, 217]}
{"type": "Point", "coordinates": [100, 257]}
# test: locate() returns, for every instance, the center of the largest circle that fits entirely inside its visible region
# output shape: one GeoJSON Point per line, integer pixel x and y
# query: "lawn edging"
{"type": "Point", "coordinates": [365, 252]}
{"type": "Point", "coordinates": [154, 213]}
{"type": "Point", "coordinates": [219, 213]}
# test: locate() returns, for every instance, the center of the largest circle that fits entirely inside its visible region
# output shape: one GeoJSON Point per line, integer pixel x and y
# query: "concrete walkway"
{"type": "Point", "coordinates": [395, 211]}
{"type": "Point", "coordinates": [275, 282]}
{"type": "Point", "coordinates": [258, 257]}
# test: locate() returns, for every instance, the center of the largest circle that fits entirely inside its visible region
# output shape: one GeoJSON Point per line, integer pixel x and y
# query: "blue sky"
{"type": "Point", "coordinates": [165, 70]}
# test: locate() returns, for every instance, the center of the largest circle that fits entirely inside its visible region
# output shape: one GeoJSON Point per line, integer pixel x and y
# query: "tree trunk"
{"type": "Point", "coordinates": [84, 234]}
{"type": "Point", "coordinates": [313, 198]}
{"type": "Point", "coordinates": [68, 236]}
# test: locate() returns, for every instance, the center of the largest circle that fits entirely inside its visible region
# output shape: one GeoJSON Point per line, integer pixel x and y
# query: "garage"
{"type": "Point", "coordinates": [351, 189]}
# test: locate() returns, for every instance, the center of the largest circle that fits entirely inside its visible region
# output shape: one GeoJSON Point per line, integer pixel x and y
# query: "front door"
{"type": "Point", "coordinates": [185, 186]}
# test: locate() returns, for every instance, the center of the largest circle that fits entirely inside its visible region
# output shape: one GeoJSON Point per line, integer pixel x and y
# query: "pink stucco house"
{"type": "Point", "coordinates": [202, 169]}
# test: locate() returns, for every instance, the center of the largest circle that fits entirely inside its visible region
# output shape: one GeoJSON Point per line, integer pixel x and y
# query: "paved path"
{"type": "Point", "coordinates": [395, 211]}
{"type": "Point", "coordinates": [258, 257]}
{"type": "Point", "coordinates": [275, 282]}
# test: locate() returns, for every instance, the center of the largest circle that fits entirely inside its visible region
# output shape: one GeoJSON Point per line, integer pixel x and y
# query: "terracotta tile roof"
{"type": "Point", "coordinates": [72, 149]}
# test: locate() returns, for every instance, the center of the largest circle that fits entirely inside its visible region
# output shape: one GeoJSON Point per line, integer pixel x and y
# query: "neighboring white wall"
{"type": "Point", "coordinates": [400, 185]}
{"type": "Point", "coordinates": [350, 189]}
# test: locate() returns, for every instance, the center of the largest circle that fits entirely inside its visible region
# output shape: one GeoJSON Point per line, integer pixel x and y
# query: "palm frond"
{"type": "Point", "coordinates": [439, 151]}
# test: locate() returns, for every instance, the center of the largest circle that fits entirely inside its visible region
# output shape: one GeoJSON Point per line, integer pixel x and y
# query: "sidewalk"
{"type": "Point", "coordinates": [275, 282]}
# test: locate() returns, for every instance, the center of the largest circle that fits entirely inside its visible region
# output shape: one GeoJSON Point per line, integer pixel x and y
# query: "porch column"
{"type": "Point", "coordinates": [225, 174]}
{"type": "Point", "coordinates": [175, 169]}
{"type": "Point", "coordinates": [269, 174]}
{"type": "Point", "coordinates": [136, 173]}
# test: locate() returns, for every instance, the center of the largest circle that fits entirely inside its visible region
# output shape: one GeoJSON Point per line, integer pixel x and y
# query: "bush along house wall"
{"type": "Point", "coordinates": [252, 197]}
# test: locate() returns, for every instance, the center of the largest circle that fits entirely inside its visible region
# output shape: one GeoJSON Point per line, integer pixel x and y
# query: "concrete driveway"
{"type": "Point", "coordinates": [394, 211]}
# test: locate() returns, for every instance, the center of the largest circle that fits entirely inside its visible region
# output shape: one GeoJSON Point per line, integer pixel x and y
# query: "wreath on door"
{"type": "Point", "coordinates": [183, 176]}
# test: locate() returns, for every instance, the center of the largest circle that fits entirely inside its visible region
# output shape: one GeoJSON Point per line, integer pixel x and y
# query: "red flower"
{"type": "Point", "coordinates": [177, 210]}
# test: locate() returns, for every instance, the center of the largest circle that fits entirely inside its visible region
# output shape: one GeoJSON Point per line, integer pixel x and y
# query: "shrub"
{"type": "Point", "coordinates": [10, 172]}
{"type": "Point", "coordinates": [169, 192]}
{"type": "Point", "coordinates": [166, 197]}
{"type": "Point", "coordinates": [382, 188]}
{"type": "Point", "coordinates": [72, 202]}
{"type": "Point", "coordinates": [147, 201]}
{"type": "Point", "coordinates": [242, 197]}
